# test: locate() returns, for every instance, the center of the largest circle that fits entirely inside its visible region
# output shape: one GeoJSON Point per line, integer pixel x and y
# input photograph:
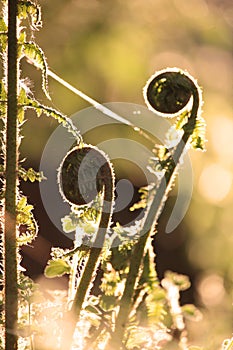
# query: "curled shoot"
{"type": "Point", "coordinates": [169, 93]}
{"type": "Point", "coordinates": [85, 173]}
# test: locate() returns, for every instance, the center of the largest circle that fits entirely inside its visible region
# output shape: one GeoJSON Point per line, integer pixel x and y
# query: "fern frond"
{"type": "Point", "coordinates": [143, 199]}
{"type": "Point", "coordinates": [36, 56]}
{"type": "Point", "coordinates": [198, 138]}
{"type": "Point", "coordinates": [31, 175]}
{"type": "Point", "coordinates": [84, 218]}
{"type": "Point", "coordinates": [57, 268]}
{"type": "Point", "coordinates": [3, 25]}
{"type": "Point", "coordinates": [3, 98]}
{"type": "Point", "coordinates": [3, 34]}
{"type": "Point", "coordinates": [28, 9]}
{"type": "Point", "coordinates": [156, 305]}
{"type": "Point", "coordinates": [25, 101]}
{"type": "Point", "coordinates": [110, 281]}
{"type": "Point", "coordinates": [61, 118]}
{"type": "Point", "coordinates": [26, 222]}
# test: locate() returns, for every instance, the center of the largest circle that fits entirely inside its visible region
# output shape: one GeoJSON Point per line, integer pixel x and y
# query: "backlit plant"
{"type": "Point", "coordinates": [134, 310]}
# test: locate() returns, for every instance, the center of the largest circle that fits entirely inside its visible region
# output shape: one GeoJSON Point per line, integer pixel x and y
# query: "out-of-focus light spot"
{"type": "Point", "coordinates": [209, 70]}
{"type": "Point", "coordinates": [222, 136]}
{"type": "Point", "coordinates": [211, 290]}
{"type": "Point", "coordinates": [215, 183]}
{"type": "Point", "coordinates": [187, 8]}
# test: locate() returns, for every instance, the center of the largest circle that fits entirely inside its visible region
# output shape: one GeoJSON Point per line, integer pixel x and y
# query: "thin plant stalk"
{"type": "Point", "coordinates": [103, 109]}
{"type": "Point", "coordinates": [152, 216]}
{"type": "Point", "coordinates": [88, 275]}
{"type": "Point", "coordinates": [11, 161]}
{"type": "Point", "coordinates": [72, 279]}
{"type": "Point", "coordinates": [85, 283]}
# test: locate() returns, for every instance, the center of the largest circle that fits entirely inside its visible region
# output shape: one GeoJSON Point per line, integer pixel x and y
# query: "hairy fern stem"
{"type": "Point", "coordinates": [69, 173]}
{"type": "Point", "coordinates": [11, 162]}
{"type": "Point", "coordinates": [161, 193]}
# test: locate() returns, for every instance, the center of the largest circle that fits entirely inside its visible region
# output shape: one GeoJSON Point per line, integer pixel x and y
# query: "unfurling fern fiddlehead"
{"type": "Point", "coordinates": [168, 93]}
{"type": "Point", "coordinates": [86, 172]}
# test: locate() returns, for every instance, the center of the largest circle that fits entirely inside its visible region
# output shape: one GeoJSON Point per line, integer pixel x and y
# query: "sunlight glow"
{"type": "Point", "coordinates": [211, 290]}
{"type": "Point", "coordinates": [215, 183]}
{"type": "Point", "coordinates": [187, 8]}
{"type": "Point", "coordinates": [222, 136]}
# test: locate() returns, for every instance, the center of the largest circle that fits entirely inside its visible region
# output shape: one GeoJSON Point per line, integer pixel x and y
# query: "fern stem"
{"type": "Point", "coordinates": [88, 274]}
{"type": "Point", "coordinates": [72, 278]}
{"type": "Point", "coordinates": [89, 99]}
{"type": "Point", "coordinates": [152, 216]}
{"type": "Point", "coordinates": [11, 161]}
{"type": "Point", "coordinates": [103, 109]}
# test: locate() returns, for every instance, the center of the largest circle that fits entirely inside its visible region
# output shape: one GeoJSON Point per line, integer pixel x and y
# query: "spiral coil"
{"type": "Point", "coordinates": [82, 174]}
